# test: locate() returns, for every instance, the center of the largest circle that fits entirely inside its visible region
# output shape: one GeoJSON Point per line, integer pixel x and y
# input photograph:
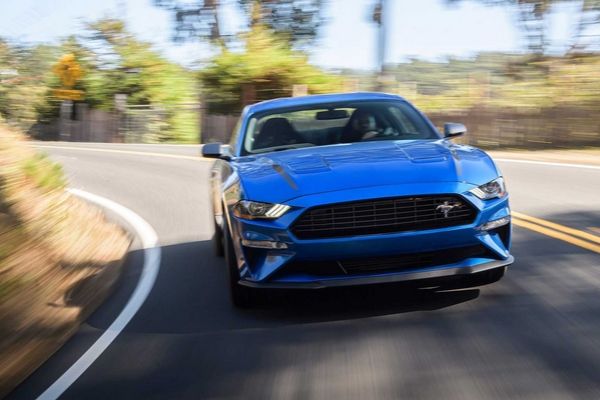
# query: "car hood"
{"type": "Point", "coordinates": [281, 176]}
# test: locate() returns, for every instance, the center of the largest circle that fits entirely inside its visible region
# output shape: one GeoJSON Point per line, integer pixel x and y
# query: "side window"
{"type": "Point", "coordinates": [407, 125]}
{"type": "Point", "coordinates": [249, 135]}
{"type": "Point", "coordinates": [235, 133]}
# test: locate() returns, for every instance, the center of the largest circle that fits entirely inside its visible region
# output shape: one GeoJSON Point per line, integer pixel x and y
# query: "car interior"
{"type": "Point", "coordinates": [334, 126]}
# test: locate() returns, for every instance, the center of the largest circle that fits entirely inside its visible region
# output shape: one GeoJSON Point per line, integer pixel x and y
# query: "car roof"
{"type": "Point", "coordinates": [290, 102]}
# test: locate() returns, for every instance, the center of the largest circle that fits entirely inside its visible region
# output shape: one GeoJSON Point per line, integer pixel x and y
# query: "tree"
{"type": "Point", "coordinates": [126, 65]}
{"type": "Point", "coordinates": [296, 21]}
{"type": "Point", "coordinates": [267, 69]}
{"type": "Point", "coordinates": [24, 76]}
{"type": "Point", "coordinates": [589, 18]}
{"type": "Point", "coordinates": [112, 61]}
{"type": "Point", "coordinates": [194, 19]}
{"type": "Point", "coordinates": [532, 17]}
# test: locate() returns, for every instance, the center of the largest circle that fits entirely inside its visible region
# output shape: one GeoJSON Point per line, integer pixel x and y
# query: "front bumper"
{"type": "Point", "coordinates": [446, 271]}
{"type": "Point", "coordinates": [267, 267]}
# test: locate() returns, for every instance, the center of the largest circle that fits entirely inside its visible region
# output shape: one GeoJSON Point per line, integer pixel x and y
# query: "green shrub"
{"type": "Point", "coordinates": [45, 173]}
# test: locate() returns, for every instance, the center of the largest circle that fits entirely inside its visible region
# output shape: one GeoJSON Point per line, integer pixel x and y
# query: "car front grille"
{"type": "Point", "coordinates": [384, 216]}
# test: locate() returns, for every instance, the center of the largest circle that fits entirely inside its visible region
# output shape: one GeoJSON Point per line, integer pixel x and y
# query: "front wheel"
{"type": "Point", "coordinates": [241, 296]}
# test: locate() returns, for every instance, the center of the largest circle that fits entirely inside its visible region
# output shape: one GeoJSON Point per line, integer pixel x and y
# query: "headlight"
{"type": "Point", "coordinates": [255, 210]}
{"type": "Point", "coordinates": [490, 190]}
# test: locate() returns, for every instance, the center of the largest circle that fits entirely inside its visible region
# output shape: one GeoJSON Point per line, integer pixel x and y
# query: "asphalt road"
{"type": "Point", "coordinates": [533, 335]}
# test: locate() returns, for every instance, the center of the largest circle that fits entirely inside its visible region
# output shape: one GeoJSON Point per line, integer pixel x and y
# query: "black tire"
{"type": "Point", "coordinates": [241, 296]}
{"type": "Point", "coordinates": [217, 240]}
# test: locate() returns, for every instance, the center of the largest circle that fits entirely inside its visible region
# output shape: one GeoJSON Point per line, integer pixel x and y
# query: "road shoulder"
{"type": "Point", "coordinates": [566, 156]}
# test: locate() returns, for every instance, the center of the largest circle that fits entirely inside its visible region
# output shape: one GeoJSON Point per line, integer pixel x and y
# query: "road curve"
{"type": "Point", "coordinates": [532, 335]}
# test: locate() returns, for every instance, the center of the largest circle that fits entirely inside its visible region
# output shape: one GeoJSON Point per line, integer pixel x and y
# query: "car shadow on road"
{"type": "Point", "coordinates": [533, 329]}
{"type": "Point", "coordinates": [191, 295]}
{"type": "Point", "coordinates": [355, 302]}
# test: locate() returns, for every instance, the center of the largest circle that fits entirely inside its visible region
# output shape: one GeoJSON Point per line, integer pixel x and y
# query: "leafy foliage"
{"type": "Point", "coordinates": [112, 61]}
{"type": "Point", "coordinates": [499, 81]}
{"type": "Point", "coordinates": [24, 72]}
{"type": "Point", "coordinates": [128, 66]}
{"type": "Point", "coordinates": [296, 21]}
{"type": "Point", "coordinates": [194, 19]}
{"type": "Point", "coordinates": [45, 173]}
{"type": "Point", "coordinates": [268, 68]}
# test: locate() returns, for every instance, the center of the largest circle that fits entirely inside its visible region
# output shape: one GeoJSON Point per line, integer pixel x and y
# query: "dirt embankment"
{"type": "Point", "coordinates": [59, 258]}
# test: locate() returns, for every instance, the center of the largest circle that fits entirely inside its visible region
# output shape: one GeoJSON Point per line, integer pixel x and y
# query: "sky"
{"type": "Point", "coordinates": [426, 29]}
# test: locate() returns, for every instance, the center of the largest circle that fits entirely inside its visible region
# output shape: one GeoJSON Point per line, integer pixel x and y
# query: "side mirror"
{"type": "Point", "coordinates": [216, 150]}
{"type": "Point", "coordinates": [452, 129]}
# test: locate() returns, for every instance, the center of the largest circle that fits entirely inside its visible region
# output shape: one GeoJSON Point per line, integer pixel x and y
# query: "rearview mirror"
{"type": "Point", "coordinates": [331, 114]}
{"type": "Point", "coordinates": [452, 129]}
{"type": "Point", "coordinates": [216, 150]}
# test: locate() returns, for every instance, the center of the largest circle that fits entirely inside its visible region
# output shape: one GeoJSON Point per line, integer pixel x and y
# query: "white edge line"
{"type": "Point", "coordinates": [150, 269]}
{"type": "Point", "coordinates": [104, 144]}
{"type": "Point", "coordinates": [103, 148]}
{"type": "Point", "coordinates": [555, 164]}
{"type": "Point", "coordinates": [128, 152]}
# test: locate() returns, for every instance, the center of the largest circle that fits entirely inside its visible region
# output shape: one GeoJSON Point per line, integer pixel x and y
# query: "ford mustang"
{"type": "Point", "coordinates": [353, 189]}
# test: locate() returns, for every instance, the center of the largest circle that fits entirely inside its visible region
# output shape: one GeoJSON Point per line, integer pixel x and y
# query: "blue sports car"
{"type": "Point", "coordinates": [353, 189]}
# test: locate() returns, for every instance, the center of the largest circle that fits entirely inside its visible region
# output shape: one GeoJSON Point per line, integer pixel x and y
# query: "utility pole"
{"type": "Point", "coordinates": [379, 19]}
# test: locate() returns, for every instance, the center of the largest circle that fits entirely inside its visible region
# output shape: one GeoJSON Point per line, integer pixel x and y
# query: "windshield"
{"type": "Point", "coordinates": [327, 124]}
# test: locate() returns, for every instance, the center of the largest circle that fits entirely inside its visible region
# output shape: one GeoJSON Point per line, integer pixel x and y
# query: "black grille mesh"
{"type": "Point", "coordinates": [384, 216]}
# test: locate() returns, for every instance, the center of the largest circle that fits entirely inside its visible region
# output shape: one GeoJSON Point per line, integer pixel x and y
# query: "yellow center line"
{"type": "Point", "coordinates": [558, 227]}
{"type": "Point", "coordinates": [570, 235]}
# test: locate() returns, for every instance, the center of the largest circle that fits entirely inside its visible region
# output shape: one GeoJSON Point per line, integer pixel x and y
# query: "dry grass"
{"type": "Point", "coordinates": [59, 258]}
